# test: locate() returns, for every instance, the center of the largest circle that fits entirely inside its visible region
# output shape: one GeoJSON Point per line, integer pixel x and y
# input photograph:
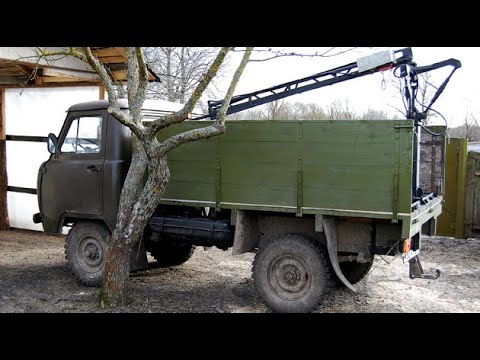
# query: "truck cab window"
{"type": "Point", "coordinates": [84, 136]}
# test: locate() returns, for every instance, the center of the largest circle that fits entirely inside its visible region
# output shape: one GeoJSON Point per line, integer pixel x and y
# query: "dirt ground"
{"type": "Point", "coordinates": [34, 278]}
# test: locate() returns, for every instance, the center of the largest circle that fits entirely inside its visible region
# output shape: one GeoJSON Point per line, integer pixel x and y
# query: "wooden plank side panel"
{"type": "Point", "coordinates": [405, 172]}
{"type": "Point", "coordinates": [461, 185]}
{"type": "Point", "coordinates": [470, 200]}
{"type": "Point", "coordinates": [259, 163]}
{"type": "Point", "coordinates": [350, 165]}
{"type": "Point", "coordinates": [347, 199]}
{"type": "Point", "coordinates": [265, 195]}
{"type": "Point", "coordinates": [345, 177]}
{"type": "Point", "coordinates": [261, 131]}
{"type": "Point", "coordinates": [347, 165]}
{"type": "Point", "coordinates": [192, 167]}
{"type": "Point", "coordinates": [349, 131]}
{"type": "Point", "coordinates": [334, 153]}
{"type": "Point", "coordinates": [190, 191]}
{"type": "Point", "coordinates": [447, 221]}
{"type": "Point", "coordinates": [476, 198]}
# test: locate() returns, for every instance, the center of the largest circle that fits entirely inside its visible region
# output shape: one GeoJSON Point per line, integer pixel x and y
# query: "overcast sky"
{"type": "Point", "coordinates": [460, 97]}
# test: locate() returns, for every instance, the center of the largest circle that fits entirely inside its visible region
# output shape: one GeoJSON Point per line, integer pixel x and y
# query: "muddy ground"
{"type": "Point", "coordinates": [34, 278]}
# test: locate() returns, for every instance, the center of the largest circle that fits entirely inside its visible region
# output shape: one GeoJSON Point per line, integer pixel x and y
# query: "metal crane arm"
{"type": "Point", "coordinates": [368, 65]}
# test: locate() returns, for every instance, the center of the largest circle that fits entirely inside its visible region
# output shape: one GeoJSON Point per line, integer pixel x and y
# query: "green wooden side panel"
{"type": "Point", "coordinates": [405, 166]}
{"type": "Point", "coordinates": [346, 165]}
{"type": "Point", "coordinates": [192, 167]}
{"type": "Point", "coordinates": [258, 163]}
{"type": "Point", "coordinates": [350, 165]}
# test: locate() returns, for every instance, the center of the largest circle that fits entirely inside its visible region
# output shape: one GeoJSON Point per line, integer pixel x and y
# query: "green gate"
{"type": "Point", "coordinates": [451, 221]}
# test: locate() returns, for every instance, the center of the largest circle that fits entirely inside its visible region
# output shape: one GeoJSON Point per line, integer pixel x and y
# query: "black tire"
{"type": "Point", "coordinates": [85, 246]}
{"type": "Point", "coordinates": [171, 253]}
{"type": "Point", "coordinates": [291, 274]}
{"type": "Point", "coordinates": [355, 271]}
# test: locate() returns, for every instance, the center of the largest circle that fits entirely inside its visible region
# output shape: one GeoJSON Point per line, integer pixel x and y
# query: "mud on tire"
{"type": "Point", "coordinates": [291, 273]}
{"type": "Point", "coordinates": [85, 246]}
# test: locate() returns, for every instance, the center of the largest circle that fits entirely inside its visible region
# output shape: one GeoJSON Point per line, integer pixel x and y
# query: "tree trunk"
{"type": "Point", "coordinates": [113, 292]}
{"type": "Point", "coordinates": [135, 210]}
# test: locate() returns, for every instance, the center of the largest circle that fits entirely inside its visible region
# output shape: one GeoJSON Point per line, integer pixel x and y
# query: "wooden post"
{"type": "Point", "coordinates": [4, 222]}
{"type": "Point", "coordinates": [101, 92]}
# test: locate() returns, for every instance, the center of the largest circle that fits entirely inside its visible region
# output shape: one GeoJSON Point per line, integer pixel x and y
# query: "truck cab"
{"type": "Point", "coordinates": [83, 177]}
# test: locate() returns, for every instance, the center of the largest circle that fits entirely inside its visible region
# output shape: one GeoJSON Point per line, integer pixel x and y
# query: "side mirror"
{"type": "Point", "coordinates": [52, 143]}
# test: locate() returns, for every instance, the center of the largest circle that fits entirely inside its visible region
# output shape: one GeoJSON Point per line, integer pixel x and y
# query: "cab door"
{"type": "Point", "coordinates": [72, 178]}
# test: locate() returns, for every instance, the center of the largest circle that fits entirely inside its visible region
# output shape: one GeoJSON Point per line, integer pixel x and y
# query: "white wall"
{"type": "Point", "coordinates": [34, 112]}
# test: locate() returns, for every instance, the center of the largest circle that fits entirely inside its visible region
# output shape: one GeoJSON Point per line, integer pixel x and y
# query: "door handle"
{"type": "Point", "coordinates": [94, 169]}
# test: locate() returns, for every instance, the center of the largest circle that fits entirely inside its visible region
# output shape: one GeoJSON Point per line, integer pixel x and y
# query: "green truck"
{"type": "Point", "coordinates": [315, 200]}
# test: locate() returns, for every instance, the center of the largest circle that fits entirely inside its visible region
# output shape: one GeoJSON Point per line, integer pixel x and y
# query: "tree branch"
{"type": "Point", "coordinates": [233, 84]}
{"type": "Point", "coordinates": [212, 130]}
{"type": "Point", "coordinates": [135, 99]}
{"type": "Point", "coordinates": [183, 114]}
{"type": "Point", "coordinates": [275, 54]}
{"type": "Point", "coordinates": [142, 74]}
{"type": "Point", "coordinates": [132, 81]}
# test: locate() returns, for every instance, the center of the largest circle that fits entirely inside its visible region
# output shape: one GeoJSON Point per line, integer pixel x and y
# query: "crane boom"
{"type": "Point", "coordinates": [365, 66]}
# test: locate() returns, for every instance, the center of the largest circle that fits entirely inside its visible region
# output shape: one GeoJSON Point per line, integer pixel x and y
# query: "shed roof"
{"type": "Point", "coordinates": [19, 66]}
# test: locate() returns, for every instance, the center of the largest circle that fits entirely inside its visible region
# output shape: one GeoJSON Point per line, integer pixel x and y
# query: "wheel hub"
{"type": "Point", "coordinates": [90, 254]}
{"type": "Point", "coordinates": [291, 274]}
{"type": "Point", "coordinates": [289, 277]}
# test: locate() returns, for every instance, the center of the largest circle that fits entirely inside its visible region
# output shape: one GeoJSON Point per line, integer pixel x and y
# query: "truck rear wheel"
{"type": "Point", "coordinates": [171, 253]}
{"type": "Point", "coordinates": [85, 246]}
{"type": "Point", "coordinates": [291, 273]}
{"type": "Point", "coordinates": [355, 271]}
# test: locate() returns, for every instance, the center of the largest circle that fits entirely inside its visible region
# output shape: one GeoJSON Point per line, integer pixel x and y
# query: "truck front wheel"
{"type": "Point", "coordinates": [291, 273]}
{"type": "Point", "coordinates": [85, 246]}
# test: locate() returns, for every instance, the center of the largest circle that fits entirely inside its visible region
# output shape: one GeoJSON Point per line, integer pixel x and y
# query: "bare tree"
{"type": "Point", "coordinates": [425, 93]}
{"type": "Point", "coordinates": [310, 111]}
{"type": "Point", "coordinates": [180, 69]}
{"type": "Point", "coordinates": [469, 129]}
{"type": "Point", "coordinates": [270, 53]}
{"type": "Point", "coordinates": [140, 197]}
{"type": "Point", "coordinates": [276, 110]}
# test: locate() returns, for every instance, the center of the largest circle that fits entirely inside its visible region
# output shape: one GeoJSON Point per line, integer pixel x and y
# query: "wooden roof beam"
{"type": "Point", "coordinates": [112, 59]}
{"type": "Point", "coordinates": [12, 80]}
{"type": "Point", "coordinates": [72, 74]}
{"type": "Point", "coordinates": [110, 51]}
{"type": "Point", "coordinates": [28, 56]}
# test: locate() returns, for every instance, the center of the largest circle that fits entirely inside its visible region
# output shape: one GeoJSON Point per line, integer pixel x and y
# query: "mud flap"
{"type": "Point", "coordinates": [330, 230]}
{"type": "Point", "coordinates": [138, 256]}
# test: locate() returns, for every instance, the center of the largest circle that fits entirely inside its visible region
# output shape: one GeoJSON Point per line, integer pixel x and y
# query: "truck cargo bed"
{"type": "Point", "coordinates": [342, 167]}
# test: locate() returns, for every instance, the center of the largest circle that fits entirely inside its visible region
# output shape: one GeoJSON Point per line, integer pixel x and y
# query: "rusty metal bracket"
{"type": "Point", "coordinates": [416, 270]}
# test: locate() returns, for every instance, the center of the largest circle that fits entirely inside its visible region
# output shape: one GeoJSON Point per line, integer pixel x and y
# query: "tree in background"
{"type": "Point", "coordinates": [180, 69]}
{"type": "Point", "coordinates": [425, 93]}
{"type": "Point", "coordinates": [281, 110]}
{"type": "Point", "coordinates": [469, 129]}
{"type": "Point", "coordinates": [148, 174]}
